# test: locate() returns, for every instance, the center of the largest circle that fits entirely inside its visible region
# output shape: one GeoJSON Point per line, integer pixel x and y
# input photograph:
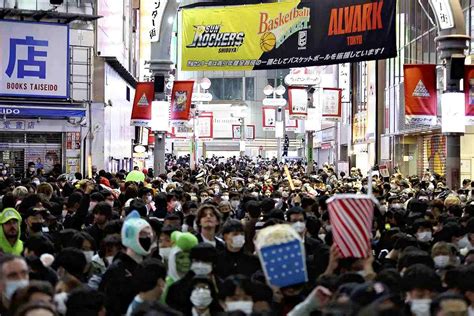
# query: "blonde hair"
{"type": "Point", "coordinates": [20, 192]}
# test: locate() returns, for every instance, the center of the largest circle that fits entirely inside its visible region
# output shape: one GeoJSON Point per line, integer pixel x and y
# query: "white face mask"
{"type": "Point", "coordinates": [185, 228]}
{"type": "Point", "coordinates": [234, 204]}
{"type": "Point", "coordinates": [109, 259]}
{"type": "Point", "coordinates": [225, 198]}
{"type": "Point", "coordinates": [12, 286]}
{"type": "Point", "coordinates": [36, 182]}
{"type": "Point", "coordinates": [60, 302]}
{"type": "Point", "coordinates": [178, 207]}
{"type": "Point", "coordinates": [201, 268]}
{"type": "Point", "coordinates": [64, 213]}
{"type": "Point", "coordinates": [32, 169]}
{"type": "Point", "coordinates": [243, 306]}
{"type": "Point", "coordinates": [424, 236]}
{"type": "Point", "coordinates": [464, 242]}
{"type": "Point", "coordinates": [92, 205]}
{"type": "Point", "coordinates": [441, 261]}
{"type": "Point", "coordinates": [89, 254]}
{"type": "Point", "coordinates": [238, 241]}
{"type": "Point", "coordinates": [149, 198]}
{"type": "Point", "coordinates": [165, 252]}
{"type": "Point", "coordinates": [420, 307]}
{"type": "Point", "coordinates": [201, 298]}
{"type": "Point", "coordinates": [4, 172]}
{"type": "Point", "coordinates": [299, 227]}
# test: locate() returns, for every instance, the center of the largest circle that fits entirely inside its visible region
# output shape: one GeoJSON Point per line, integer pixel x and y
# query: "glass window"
{"type": "Point", "coordinates": [233, 89]}
{"type": "Point", "coordinates": [217, 88]}
{"type": "Point", "coordinates": [250, 89]}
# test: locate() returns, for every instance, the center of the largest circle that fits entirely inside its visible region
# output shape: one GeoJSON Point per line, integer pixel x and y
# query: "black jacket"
{"type": "Point", "coordinates": [229, 263]}
{"type": "Point", "coordinates": [220, 246]}
{"type": "Point", "coordinates": [96, 233]}
{"type": "Point", "coordinates": [78, 219]}
{"type": "Point", "coordinates": [118, 284]}
{"type": "Point", "coordinates": [317, 258]}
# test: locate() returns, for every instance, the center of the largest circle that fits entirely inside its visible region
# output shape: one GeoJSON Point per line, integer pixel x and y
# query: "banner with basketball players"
{"type": "Point", "coordinates": [421, 101]}
{"type": "Point", "coordinates": [295, 33]}
{"type": "Point", "coordinates": [181, 100]}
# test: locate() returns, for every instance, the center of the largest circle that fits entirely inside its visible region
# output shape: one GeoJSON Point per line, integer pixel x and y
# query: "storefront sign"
{"type": "Point", "coordinates": [332, 105]}
{"type": "Point", "coordinates": [287, 34]}
{"type": "Point", "coordinates": [34, 60]}
{"type": "Point", "coordinates": [181, 97]}
{"type": "Point", "coordinates": [298, 102]}
{"type": "Point", "coordinates": [268, 118]}
{"type": "Point", "coordinates": [12, 111]}
{"type": "Point", "coordinates": [469, 93]}
{"type": "Point", "coordinates": [142, 110]}
{"type": "Point", "coordinates": [274, 102]}
{"type": "Point", "coordinates": [420, 94]}
{"type": "Point", "coordinates": [12, 125]}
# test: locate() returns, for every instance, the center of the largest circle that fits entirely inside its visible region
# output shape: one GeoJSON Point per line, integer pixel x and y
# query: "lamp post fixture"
{"type": "Point", "coordinates": [239, 110]}
{"type": "Point", "coordinates": [277, 95]}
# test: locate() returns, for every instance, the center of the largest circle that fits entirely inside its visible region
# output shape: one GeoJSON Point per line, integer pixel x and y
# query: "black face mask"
{"type": "Point", "coordinates": [36, 227]}
{"type": "Point", "coordinates": [145, 242]}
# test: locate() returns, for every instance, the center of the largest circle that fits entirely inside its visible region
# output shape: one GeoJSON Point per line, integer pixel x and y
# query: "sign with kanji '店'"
{"type": "Point", "coordinates": [35, 59]}
{"type": "Point", "coordinates": [287, 34]}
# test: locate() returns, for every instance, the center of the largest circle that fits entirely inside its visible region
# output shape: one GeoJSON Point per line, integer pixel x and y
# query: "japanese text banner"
{"type": "Point", "coordinates": [287, 34]}
{"type": "Point", "coordinates": [420, 94]}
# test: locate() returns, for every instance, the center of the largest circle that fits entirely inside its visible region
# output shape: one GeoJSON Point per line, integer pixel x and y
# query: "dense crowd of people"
{"type": "Point", "coordinates": [183, 243]}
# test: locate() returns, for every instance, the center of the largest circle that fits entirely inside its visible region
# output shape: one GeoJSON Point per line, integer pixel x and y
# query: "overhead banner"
{"type": "Point", "coordinates": [268, 118]}
{"type": "Point", "coordinates": [181, 100]}
{"type": "Point", "coordinates": [35, 60]}
{"type": "Point", "coordinates": [469, 93]}
{"type": "Point", "coordinates": [287, 34]}
{"type": "Point", "coordinates": [142, 110]}
{"type": "Point", "coordinates": [332, 104]}
{"type": "Point", "coordinates": [421, 100]}
{"type": "Point", "coordinates": [298, 102]}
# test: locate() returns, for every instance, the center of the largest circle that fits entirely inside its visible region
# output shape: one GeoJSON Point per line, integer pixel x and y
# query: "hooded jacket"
{"type": "Point", "coordinates": [6, 215]}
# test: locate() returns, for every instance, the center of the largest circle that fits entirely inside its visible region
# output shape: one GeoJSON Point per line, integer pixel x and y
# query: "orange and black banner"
{"type": "Point", "coordinates": [287, 34]}
{"type": "Point", "coordinates": [421, 100]}
{"type": "Point", "coordinates": [181, 100]}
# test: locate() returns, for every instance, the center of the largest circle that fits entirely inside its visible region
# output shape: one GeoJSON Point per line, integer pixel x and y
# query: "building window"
{"type": "Point", "coordinates": [227, 88]}
{"type": "Point", "coordinates": [250, 89]}
{"type": "Point", "coordinates": [127, 93]}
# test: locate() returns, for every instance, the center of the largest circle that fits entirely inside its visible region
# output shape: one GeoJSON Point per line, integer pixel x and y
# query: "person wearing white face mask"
{"type": "Point", "coordinates": [424, 231]}
{"type": "Point", "coordinates": [203, 298]}
{"type": "Point", "coordinates": [203, 260]}
{"type": "Point", "coordinates": [236, 295]}
{"type": "Point", "coordinates": [443, 255]}
{"type": "Point", "coordinates": [233, 260]}
{"type": "Point", "coordinates": [421, 284]}
{"type": "Point", "coordinates": [13, 276]}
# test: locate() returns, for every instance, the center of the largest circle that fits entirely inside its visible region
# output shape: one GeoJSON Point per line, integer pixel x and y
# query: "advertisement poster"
{"type": "Point", "coordinates": [204, 126]}
{"type": "Point", "coordinates": [287, 34]}
{"type": "Point", "coordinates": [181, 100]}
{"type": "Point", "coordinates": [421, 99]}
{"type": "Point", "coordinates": [43, 158]}
{"type": "Point", "coordinates": [298, 102]}
{"type": "Point", "coordinates": [34, 60]}
{"type": "Point", "coordinates": [73, 140]}
{"type": "Point", "coordinates": [249, 132]}
{"type": "Point", "coordinates": [332, 104]}
{"type": "Point", "coordinates": [268, 118]}
{"type": "Point", "coordinates": [141, 112]}
{"type": "Point", "coordinates": [291, 125]}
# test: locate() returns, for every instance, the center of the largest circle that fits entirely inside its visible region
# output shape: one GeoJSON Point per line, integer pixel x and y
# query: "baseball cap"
{"type": "Point", "coordinates": [8, 214]}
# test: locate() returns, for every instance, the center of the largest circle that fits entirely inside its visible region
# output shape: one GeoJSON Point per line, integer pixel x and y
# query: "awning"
{"type": "Point", "coordinates": [17, 111]}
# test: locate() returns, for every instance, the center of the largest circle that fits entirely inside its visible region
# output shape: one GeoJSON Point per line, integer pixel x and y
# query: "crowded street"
{"type": "Point", "coordinates": [245, 157]}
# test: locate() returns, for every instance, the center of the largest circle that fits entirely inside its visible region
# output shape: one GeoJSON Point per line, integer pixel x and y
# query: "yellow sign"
{"type": "Point", "coordinates": [236, 37]}
{"type": "Point", "coordinates": [290, 180]}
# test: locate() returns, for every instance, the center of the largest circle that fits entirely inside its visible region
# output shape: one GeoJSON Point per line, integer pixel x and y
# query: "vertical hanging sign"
{"type": "Point", "coordinates": [469, 93]}
{"type": "Point", "coordinates": [420, 94]}
{"type": "Point", "coordinates": [141, 112]}
{"type": "Point", "coordinates": [181, 100]}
